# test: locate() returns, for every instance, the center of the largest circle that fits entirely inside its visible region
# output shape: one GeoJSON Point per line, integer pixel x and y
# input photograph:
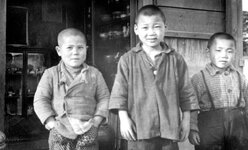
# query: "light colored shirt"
{"type": "Point", "coordinates": [153, 94]}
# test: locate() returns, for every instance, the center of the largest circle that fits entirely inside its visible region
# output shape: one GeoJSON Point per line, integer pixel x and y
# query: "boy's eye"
{"type": "Point", "coordinates": [144, 28]}
{"type": "Point", "coordinates": [218, 50]}
{"type": "Point", "coordinates": [157, 26]}
{"type": "Point", "coordinates": [230, 51]}
{"type": "Point", "coordinates": [69, 47]}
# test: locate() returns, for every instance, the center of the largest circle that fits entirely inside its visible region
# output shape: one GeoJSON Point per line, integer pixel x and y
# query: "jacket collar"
{"type": "Point", "coordinates": [214, 70]}
{"type": "Point", "coordinates": [62, 70]}
{"type": "Point", "coordinates": [165, 48]}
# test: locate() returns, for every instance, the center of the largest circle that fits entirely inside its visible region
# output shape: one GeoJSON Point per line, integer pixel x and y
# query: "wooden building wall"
{"type": "Point", "coordinates": [190, 23]}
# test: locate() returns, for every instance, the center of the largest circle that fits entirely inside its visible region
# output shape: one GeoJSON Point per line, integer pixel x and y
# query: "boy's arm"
{"type": "Point", "coordinates": [119, 94]}
{"type": "Point", "coordinates": [194, 137]}
{"type": "Point", "coordinates": [194, 113]}
{"type": "Point", "coordinates": [185, 126]}
{"type": "Point", "coordinates": [127, 126]}
{"type": "Point", "coordinates": [102, 97]}
{"type": "Point", "coordinates": [118, 101]}
{"type": "Point", "coordinates": [42, 98]}
{"type": "Point", "coordinates": [245, 93]}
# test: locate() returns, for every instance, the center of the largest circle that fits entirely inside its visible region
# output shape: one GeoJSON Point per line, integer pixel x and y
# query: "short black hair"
{"type": "Point", "coordinates": [70, 31]}
{"type": "Point", "coordinates": [150, 10]}
{"type": "Point", "coordinates": [220, 35]}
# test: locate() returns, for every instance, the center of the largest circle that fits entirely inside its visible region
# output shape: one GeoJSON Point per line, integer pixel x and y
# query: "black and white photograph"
{"type": "Point", "coordinates": [124, 75]}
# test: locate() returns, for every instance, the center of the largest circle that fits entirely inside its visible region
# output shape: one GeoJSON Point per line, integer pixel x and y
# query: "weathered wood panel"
{"type": "Point", "coordinates": [234, 26]}
{"type": "Point", "coordinates": [2, 59]}
{"type": "Point", "coordinates": [214, 5]}
{"type": "Point", "coordinates": [193, 51]}
{"type": "Point", "coordinates": [193, 23]}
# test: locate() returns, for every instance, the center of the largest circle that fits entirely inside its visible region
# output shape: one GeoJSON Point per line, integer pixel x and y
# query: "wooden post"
{"type": "Point", "coordinates": [2, 59]}
{"type": "Point", "coordinates": [234, 26]}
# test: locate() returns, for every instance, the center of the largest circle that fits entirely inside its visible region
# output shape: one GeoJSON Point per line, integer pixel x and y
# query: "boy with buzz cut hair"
{"type": "Point", "coordinates": [151, 87]}
{"type": "Point", "coordinates": [222, 93]}
{"type": "Point", "coordinates": [71, 99]}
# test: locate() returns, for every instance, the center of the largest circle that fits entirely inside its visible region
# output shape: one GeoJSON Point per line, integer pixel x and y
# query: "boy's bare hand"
{"type": "Point", "coordinates": [50, 123]}
{"type": "Point", "coordinates": [194, 137]}
{"type": "Point", "coordinates": [185, 126]}
{"type": "Point", "coordinates": [97, 120]}
{"type": "Point", "coordinates": [127, 126]}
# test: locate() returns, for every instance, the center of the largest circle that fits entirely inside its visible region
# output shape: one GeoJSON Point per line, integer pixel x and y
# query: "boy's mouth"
{"type": "Point", "coordinates": [223, 62]}
{"type": "Point", "coordinates": [74, 58]}
{"type": "Point", "coordinates": [152, 39]}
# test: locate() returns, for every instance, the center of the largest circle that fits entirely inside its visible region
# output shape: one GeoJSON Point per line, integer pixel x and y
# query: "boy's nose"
{"type": "Point", "coordinates": [75, 50]}
{"type": "Point", "coordinates": [151, 31]}
{"type": "Point", "coordinates": [224, 54]}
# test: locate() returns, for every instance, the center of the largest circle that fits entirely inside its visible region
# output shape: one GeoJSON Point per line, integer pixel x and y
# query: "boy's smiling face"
{"type": "Point", "coordinates": [222, 52]}
{"type": "Point", "coordinates": [72, 50]}
{"type": "Point", "coordinates": [151, 30]}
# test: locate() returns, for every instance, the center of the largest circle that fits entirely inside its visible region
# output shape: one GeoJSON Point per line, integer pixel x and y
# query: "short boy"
{"type": "Point", "coordinates": [222, 94]}
{"type": "Point", "coordinates": [151, 87]}
{"type": "Point", "coordinates": [71, 99]}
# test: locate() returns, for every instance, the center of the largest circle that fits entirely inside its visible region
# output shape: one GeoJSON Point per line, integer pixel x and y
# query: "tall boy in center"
{"type": "Point", "coordinates": [151, 87]}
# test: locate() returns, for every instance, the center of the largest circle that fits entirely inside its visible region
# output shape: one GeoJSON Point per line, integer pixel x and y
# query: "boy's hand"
{"type": "Point", "coordinates": [50, 123]}
{"type": "Point", "coordinates": [194, 137]}
{"type": "Point", "coordinates": [127, 127]}
{"type": "Point", "coordinates": [97, 120]}
{"type": "Point", "coordinates": [185, 126]}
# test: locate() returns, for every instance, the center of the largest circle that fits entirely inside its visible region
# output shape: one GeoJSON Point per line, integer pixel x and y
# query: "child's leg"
{"type": "Point", "coordinates": [58, 142]}
{"type": "Point", "coordinates": [88, 141]}
{"type": "Point", "coordinates": [211, 130]}
{"type": "Point", "coordinates": [152, 144]}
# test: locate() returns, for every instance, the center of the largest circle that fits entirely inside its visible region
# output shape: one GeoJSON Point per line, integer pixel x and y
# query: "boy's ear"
{"type": "Point", "coordinates": [208, 52]}
{"type": "Point", "coordinates": [166, 28]}
{"type": "Point", "coordinates": [58, 50]}
{"type": "Point", "coordinates": [135, 29]}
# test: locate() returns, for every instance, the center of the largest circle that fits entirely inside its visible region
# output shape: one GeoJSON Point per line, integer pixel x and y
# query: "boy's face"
{"type": "Point", "coordinates": [72, 50]}
{"type": "Point", "coordinates": [222, 52]}
{"type": "Point", "coordinates": [151, 30]}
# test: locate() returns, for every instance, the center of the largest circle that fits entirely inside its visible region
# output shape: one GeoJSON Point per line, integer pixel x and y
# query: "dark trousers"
{"type": "Point", "coordinates": [87, 141]}
{"type": "Point", "coordinates": [223, 129]}
{"type": "Point", "coordinates": [152, 144]}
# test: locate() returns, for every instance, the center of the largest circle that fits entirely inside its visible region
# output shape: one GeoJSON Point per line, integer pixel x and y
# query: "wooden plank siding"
{"type": "Point", "coordinates": [212, 5]}
{"type": "Point", "coordinates": [190, 23]}
{"type": "Point", "coordinates": [234, 26]}
{"type": "Point", "coordinates": [193, 51]}
{"type": "Point", "coordinates": [193, 18]}
{"type": "Point", "coordinates": [2, 59]}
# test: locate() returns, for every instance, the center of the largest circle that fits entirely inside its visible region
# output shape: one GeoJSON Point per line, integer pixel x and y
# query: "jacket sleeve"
{"type": "Point", "coordinates": [194, 114]}
{"type": "Point", "coordinates": [187, 96]}
{"type": "Point", "coordinates": [119, 94]}
{"type": "Point", "coordinates": [43, 97]}
{"type": "Point", "coordinates": [102, 97]}
{"type": "Point", "coordinates": [245, 92]}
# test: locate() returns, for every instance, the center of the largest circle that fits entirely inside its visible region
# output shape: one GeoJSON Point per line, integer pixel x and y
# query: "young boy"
{"type": "Point", "coordinates": [151, 86]}
{"type": "Point", "coordinates": [222, 94]}
{"type": "Point", "coordinates": [72, 97]}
